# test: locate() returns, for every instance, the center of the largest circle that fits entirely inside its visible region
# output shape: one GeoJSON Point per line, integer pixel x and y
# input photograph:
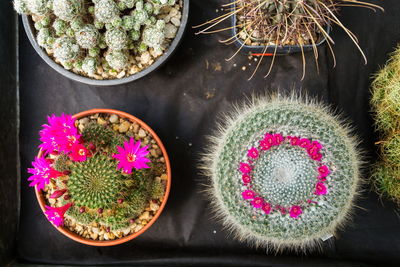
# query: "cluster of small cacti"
{"type": "Point", "coordinates": [95, 174]}
{"type": "Point", "coordinates": [386, 105]}
{"type": "Point", "coordinates": [83, 35]}
{"type": "Point", "coordinates": [284, 173]}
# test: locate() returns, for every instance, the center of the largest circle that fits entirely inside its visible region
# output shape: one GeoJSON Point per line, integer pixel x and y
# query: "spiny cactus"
{"type": "Point", "coordinates": [83, 36]}
{"type": "Point", "coordinates": [283, 173]}
{"type": "Point", "coordinates": [284, 23]}
{"type": "Point", "coordinates": [62, 163]}
{"type": "Point", "coordinates": [95, 183]}
{"type": "Point", "coordinates": [97, 134]}
{"type": "Point", "coordinates": [386, 106]}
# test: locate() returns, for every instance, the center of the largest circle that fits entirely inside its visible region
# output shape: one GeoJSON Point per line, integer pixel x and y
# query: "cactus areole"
{"type": "Point", "coordinates": [284, 173]}
{"type": "Point", "coordinates": [102, 177]}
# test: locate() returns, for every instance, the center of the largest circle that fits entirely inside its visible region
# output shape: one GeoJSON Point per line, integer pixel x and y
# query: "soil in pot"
{"type": "Point", "coordinates": [108, 203]}
{"type": "Point", "coordinates": [104, 39]}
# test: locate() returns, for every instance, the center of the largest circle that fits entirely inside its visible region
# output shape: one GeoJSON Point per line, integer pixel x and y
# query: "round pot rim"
{"type": "Point", "coordinates": [29, 30]}
{"type": "Point", "coordinates": [65, 231]}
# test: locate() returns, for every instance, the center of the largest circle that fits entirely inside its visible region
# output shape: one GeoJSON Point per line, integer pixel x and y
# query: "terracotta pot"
{"type": "Point", "coordinates": [41, 199]}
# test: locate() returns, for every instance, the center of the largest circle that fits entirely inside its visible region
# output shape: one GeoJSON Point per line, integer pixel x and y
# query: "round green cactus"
{"type": "Point", "coordinates": [68, 9]}
{"type": "Point", "coordinates": [283, 173]}
{"type": "Point", "coordinates": [386, 105]}
{"type": "Point", "coordinates": [65, 49]}
{"type": "Point", "coordinates": [89, 65]}
{"type": "Point", "coordinates": [105, 11]}
{"type": "Point", "coordinates": [97, 134]}
{"type": "Point", "coordinates": [95, 183]}
{"type": "Point", "coordinates": [154, 36]}
{"type": "Point", "coordinates": [38, 7]}
{"type": "Point", "coordinates": [88, 36]}
{"type": "Point", "coordinates": [116, 39]}
{"type": "Point", "coordinates": [117, 59]}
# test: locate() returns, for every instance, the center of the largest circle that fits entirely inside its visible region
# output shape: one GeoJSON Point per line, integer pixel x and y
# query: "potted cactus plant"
{"type": "Point", "coordinates": [104, 42]}
{"type": "Point", "coordinates": [279, 27]}
{"type": "Point", "coordinates": [283, 173]}
{"type": "Point", "coordinates": [102, 177]}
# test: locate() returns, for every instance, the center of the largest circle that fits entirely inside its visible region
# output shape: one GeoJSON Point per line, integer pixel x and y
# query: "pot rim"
{"type": "Point", "coordinates": [29, 30]}
{"type": "Point", "coordinates": [65, 231]}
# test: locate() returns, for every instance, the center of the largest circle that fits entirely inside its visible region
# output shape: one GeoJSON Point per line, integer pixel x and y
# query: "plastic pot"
{"type": "Point", "coordinates": [30, 32]}
{"type": "Point", "coordinates": [74, 236]}
{"type": "Point", "coordinates": [280, 50]}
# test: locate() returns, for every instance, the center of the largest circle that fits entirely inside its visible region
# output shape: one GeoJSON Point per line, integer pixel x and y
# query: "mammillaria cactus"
{"type": "Point", "coordinates": [92, 174]}
{"type": "Point", "coordinates": [102, 39]}
{"type": "Point", "coordinates": [386, 106]}
{"type": "Point", "coordinates": [284, 173]}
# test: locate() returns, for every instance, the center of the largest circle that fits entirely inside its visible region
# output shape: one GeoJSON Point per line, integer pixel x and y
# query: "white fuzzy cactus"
{"type": "Point", "coordinates": [283, 173]}
{"type": "Point", "coordinates": [68, 9]}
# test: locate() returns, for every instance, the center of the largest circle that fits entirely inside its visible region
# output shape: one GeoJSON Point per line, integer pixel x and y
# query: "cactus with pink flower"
{"type": "Point", "coordinates": [283, 173]}
{"type": "Point", "coordinates": [92, 173]}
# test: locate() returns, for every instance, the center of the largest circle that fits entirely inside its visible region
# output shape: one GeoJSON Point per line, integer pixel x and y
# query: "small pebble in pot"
{"type": "Point", "coordinates": [100, 210]}
{"type": "Point", "coordinates": [131, 221]}
{"type": "Point", "coordinates": [108, 229]}
{"type": "Point", "coordinates": [82, 210]}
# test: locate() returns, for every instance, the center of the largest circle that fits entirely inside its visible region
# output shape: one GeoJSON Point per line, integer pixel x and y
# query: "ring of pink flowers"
{"type": "Point", "coordinates": [270, 140]}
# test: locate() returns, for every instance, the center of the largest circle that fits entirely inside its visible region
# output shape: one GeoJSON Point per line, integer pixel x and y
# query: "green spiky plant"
{"type": "Point", "coordinates": [292, 215]}
{"type": "Point", "coordinates": [385, 102]}
{"type": "Point", "coordinates": [100, 192]}
{"type": "Point", "coordinates": [283, 22]}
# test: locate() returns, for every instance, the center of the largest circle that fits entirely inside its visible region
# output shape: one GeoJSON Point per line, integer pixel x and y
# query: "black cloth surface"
{"type": "Point", "coordinates": [181, 102]}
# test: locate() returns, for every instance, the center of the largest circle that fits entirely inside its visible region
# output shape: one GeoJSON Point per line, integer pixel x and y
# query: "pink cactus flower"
{"type": "Point", "coordinates": [316, 156]}
{"type": "Point", "coordinates": [59, 135]}
{"type": "Point", "coordinates": [323, 172]}
{"type": "Point", "coordinates": [267, 208]}
{"type": "Point", "coordinates": [246, 178]}
{"type": "Point", "coordinates": [42, 173]}
{"type": "Point", "coordinates": [304, 143]}
{"type": "Point", "coordinates": [56, 215]}
{"type": "Point", "coordinates": [78, 152]}
{"type": "Point", "coordinates": [244, 168]}
{"type": "Point", "coordinates": [270, 139]}
{"type": "Point", "coordinates": [257, 202]}
{"type": "Point", "coordinates": [132, 156]}
{"type": "Point", "coordinates": [295, 211]}
{"type": "Point", "coordinates": [294, 141]}
{"type": "Point", "coordinates": [248, 194]}
{"type": "Point", "coordinates": [253, 153]}
{"type": "Point", "coordinates": [314, 148]}
{"type": "Point", "coordinates": [278, 139]}
{"type": "Point", "coordinates": [264, 145]}
{"type": "Point", "coordinates": [320, 189]}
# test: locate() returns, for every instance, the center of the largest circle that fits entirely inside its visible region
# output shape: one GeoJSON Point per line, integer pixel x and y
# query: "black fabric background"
{"type": "Point", "coordinates": [173, 101]}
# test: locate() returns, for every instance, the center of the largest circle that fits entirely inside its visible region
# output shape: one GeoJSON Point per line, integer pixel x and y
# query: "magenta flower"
{"type": "Point", "coordinates": [246, 178]}
{"type": "Point", "coordinates": [56, 215]}
{"type": "Point", "coordinates": [59, 135]}
{"type": "Point", "coordinates": [320, 189]}
{"type": "Point", "coordinates": [244, 168]}
{"type": "Point", "coordinates": [323, 172]}
{"type": "Point", "coordinates": [257, 202]}
{"type": "Point", "coordinates": [314, 148]}
{"type": "Point", "coordinates": [316, 156]}
{"type": "Point", "coordinates": [267, 208]}
{"type": "Point", "coordinates": [264, 145]}
{"type": "Point", "coordinates": [253, 153]}
{"type": "Point", "coordinates": [78, 152]}
{"type": "Point", "coordinates": [278, 139]}
{"type": "Point", "coordinates": [248, 194]}
{"type": "Point", "coordinates": [42, 173]}
{"type": "Point", "coordinates": [295, 211]}
{"type": "Point", "coordinates": [270, 139]}
{"type": "Point", "coordinates": [294, 141]}
{"type": "Point", "coordinates": [132, 156]}
{"type": "Point", "coordinates": [304, 143]}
